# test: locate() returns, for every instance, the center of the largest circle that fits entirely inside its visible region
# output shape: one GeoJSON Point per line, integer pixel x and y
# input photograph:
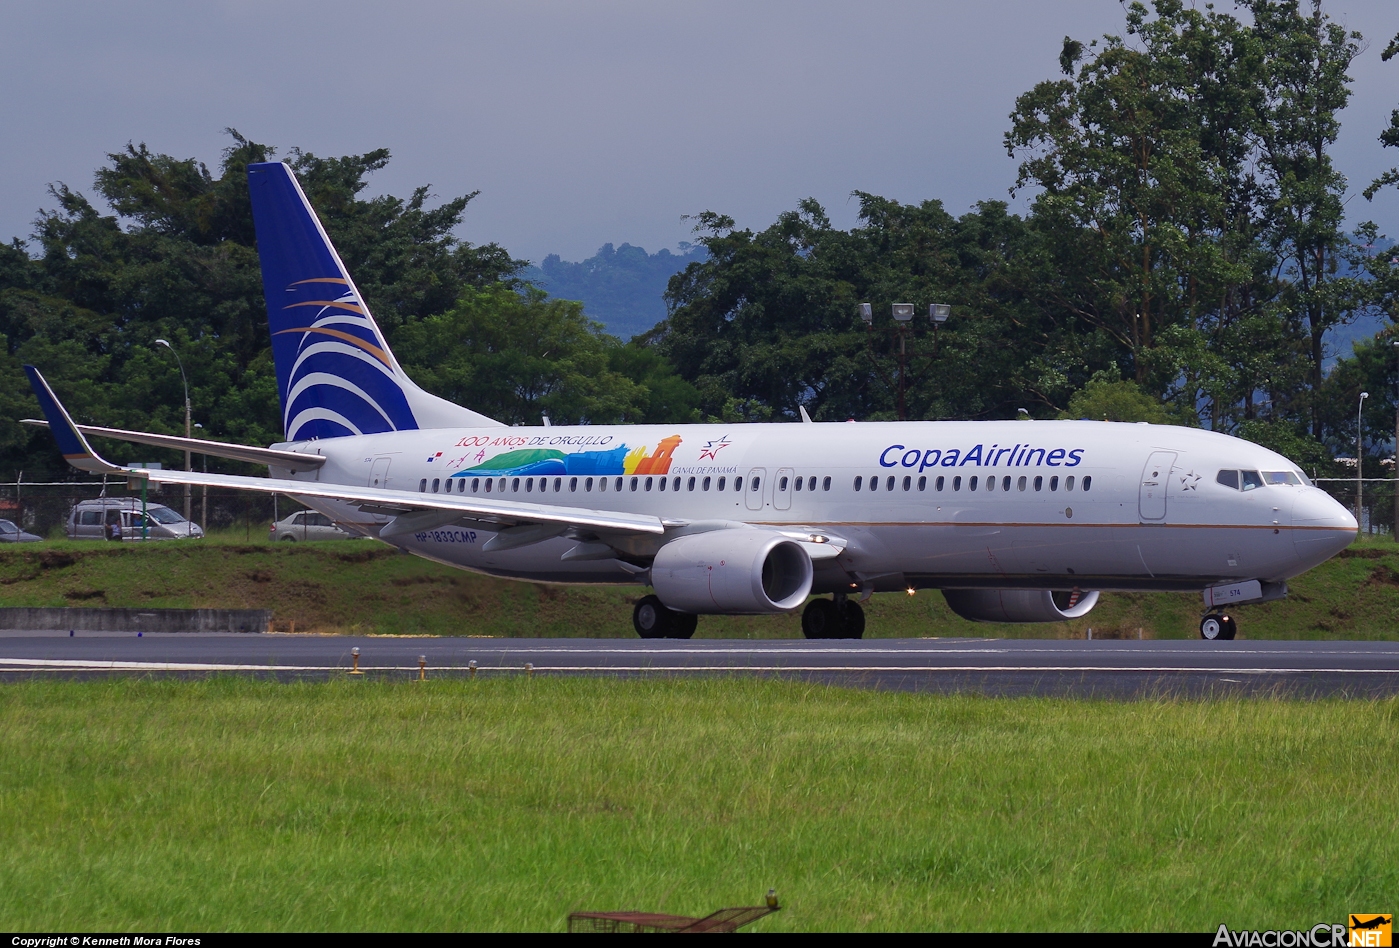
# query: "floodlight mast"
{"type": "Point", "coordinates": [189, 526]}
{"type": "Point", "coordinates": [903, 315]}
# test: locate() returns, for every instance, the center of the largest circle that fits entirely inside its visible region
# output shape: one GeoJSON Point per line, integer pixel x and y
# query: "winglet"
{"type": "Point", "coordinates": [76, 450]}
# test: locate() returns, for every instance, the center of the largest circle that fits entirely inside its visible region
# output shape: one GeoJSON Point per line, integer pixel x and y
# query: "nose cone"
{"type": "Point", "coordinates": [1321, 527]}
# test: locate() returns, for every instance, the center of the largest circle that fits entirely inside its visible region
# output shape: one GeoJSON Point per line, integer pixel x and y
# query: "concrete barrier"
{"type": "Point", "coordinates": [136, 620]}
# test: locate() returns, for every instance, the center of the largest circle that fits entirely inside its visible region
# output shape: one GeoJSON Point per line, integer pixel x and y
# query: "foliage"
{"type": "Point", "coordinates": [518, 355]}
{"type": "Point", "coordinates": [1107, 399]}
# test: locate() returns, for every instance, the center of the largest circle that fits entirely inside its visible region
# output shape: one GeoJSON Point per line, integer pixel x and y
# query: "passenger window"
{"type": "Point", "coordinates": [675, 484]}
{"type": "Point", "coordinates": [858, 481]}
{"type": "Point", "coordinates": [500, 488]}
{"type": "Point", "coordinates": [488, 485]}
{"type": "Point", "coordinates": [558, 484]}
{"type": "Point", "coordinates": [515, 485]}
{"type": "Point", "coordinates": [938, 483]}
{"type": "Point", "coordinates": [529, 484]}
{"type": "Point", "coordinates": [781, 485]}
{"type": "Point", "coordinates": [957, 482]}
{"type": "Point", "coordinates": [1005, 482]}
{"type": "Point", "coordinates": [649, 482]}
{"type": "Point", "coordinates": [755, 485]}
{"type": "Point", "coordinates": [1250, 479]}
{"type": "Point", "coordinates": [908, 483]}
{"type": "Point", "coordinates": [588, 485]}
{"type": "Point", "coordinates": [874, 483]}
{"type": "Point", "coordinates": [1054, 482]}
{"type": "Point", "coordinates": [890, 484]}
{"type": "Point", "coordinates": [1087, 481]}
{"type": "Point", "coordinates": [990, 483]}
{"type": "Point", "coordinates": [1039, 482]}
{"type": "Point", "coordinates": [1020, 484]}
{"type": "Point", "coordinates": [796, 484]}
{"type": "Point", "coordinates": [618, 485]}
{"type": "Point", "coordinates": [662, 483]}
{"type": "Point", "coordinates": [923, 482]}
{"type": "Point", "coordinates": [602, 484]}
{"type": "Point", "coordinates": [971, 484]}
{"type": "Point", "coordinates": [422, 486]}
{"type": "Point", "coordinates": [634, 482]}
{"type": "Point", "coordinates": [690, 485]}
{"type": "Point", "coordinates": [721, 484]}
{"type": "Point", "coordinates": [476, 485]}
{"type": "Point", "coordinates": [573, 484]}
{"type": "Point", "coordinates": [826, 482]}
{"type": "Point", "coordinates": [435, 482]}
{"type": "Point", "coordinates": [1228, 479]}
{"type": "Point", "coordinates": [705, 484]}
{"type": "Point", "coordinates": [738, 483]}
{"type": "Point", "coordinates": [1069, 482]}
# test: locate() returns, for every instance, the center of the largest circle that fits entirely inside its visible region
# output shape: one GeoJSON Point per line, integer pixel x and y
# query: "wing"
{"type": "Point", "coordinates": [216, 449]}
{"type": "Point", "coordinates": [414, 511]}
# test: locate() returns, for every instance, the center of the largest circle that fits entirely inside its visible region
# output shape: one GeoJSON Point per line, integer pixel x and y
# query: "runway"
{"type": "Point", "coordinates": [1109, 669]}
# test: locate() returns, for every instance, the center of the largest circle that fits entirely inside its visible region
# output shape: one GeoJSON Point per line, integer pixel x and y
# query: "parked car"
{"type": "Point", "coordinates": [308, 525]}
{"type": "Point", "coordinates": [9, 533]}
{"type": "Point", "coordinates": [119, 518]}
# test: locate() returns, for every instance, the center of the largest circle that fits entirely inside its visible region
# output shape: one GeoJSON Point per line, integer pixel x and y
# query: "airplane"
{"type": "Point", "coordinates": [1014, 521]}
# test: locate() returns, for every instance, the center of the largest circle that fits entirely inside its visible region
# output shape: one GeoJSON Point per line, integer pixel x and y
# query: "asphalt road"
{"type": "Point", "coordinates": [1109, 669]}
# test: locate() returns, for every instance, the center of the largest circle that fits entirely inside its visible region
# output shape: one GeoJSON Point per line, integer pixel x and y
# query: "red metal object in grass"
{"type": "Point", "coordinates": [724, 920]}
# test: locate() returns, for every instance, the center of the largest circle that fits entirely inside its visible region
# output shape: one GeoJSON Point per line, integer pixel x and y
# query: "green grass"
{"type": "Point", "coordinates": [505, 803]}
{"type": "Point", "coordinates": [365, 586]}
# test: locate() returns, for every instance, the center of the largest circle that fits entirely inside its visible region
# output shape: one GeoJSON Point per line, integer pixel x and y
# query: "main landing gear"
{"type": "Point", "coordinates": [837, 618]}
{"type": "Point", "coordinates": [654, 621]}
{"type": "Point", "coordinates": [1215, 626]}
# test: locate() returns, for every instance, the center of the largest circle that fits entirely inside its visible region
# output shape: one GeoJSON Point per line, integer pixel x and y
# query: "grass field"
{"type": "Point", "coordinates": [365, 586]}
{"type": "Point", "coordinates": [507, 803]}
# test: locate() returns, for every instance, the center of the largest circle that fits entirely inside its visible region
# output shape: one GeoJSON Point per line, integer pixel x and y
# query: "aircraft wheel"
{"type": "Point", "coordinates": [1212, 627]}
{"type": "Point", "coordinates": [854, 621]}
{"type": "Point", "coordinates": [821, 620]}
{"type": "Point", "coordinates": [683, 625]}
{"type": "Point", "coordinates": [651, 618]}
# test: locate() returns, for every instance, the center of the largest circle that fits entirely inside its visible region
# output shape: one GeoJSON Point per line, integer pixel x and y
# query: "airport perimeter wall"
{"type": "Point", "coordinates": [134, 620]}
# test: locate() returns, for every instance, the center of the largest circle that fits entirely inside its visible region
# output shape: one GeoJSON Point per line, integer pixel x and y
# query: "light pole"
{"type": "Point", "coordinates": [204, 492]}
{"type": "Point", "coordinates": [1359, 447]}
{"type": "Point", "coordinates": [189, 528]}
{"type": "Point", "coordinates": [1394, 481]}
{"type": "Point", "coordinates": [903, 315]}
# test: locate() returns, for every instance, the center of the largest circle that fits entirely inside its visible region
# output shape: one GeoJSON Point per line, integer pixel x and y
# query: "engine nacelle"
{"type": "Point", "coordinates": [732, 572]}
{"type": "Point", "coordinates": [1020, 605]}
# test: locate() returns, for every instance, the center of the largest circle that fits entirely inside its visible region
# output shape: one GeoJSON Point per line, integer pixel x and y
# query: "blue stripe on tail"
{"type": "Point", "coordinates": [335, 373]}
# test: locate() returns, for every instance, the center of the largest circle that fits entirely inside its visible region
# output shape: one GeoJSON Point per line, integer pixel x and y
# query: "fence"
{"type": "Point", "coordinates": [43, 508]}
{"type": "Point", "coordinates": [1377, 500]}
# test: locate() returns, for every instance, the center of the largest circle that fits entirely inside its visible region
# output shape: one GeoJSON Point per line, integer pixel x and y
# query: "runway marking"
{"type": "Point", "coordinates": [17, 664]}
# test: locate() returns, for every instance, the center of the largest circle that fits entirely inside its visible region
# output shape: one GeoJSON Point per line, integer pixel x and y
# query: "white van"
{"type": "Point", "coordinates": [119, 518]}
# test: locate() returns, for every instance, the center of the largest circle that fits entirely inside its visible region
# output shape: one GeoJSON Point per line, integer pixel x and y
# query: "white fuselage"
{"type": "Point", "coordinates": [1009, 504]}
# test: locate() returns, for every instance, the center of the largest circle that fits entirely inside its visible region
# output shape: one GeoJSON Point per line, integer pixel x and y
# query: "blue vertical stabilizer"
{"type": "Point", "coordinates": [335, 373]}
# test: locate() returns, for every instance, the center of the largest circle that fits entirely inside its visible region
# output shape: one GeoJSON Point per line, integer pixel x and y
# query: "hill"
{"type": "Point", "coordinates": [620, 287]}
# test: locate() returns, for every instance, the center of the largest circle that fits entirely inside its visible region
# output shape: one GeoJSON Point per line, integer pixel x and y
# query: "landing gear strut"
{"type": "Point", "coordinates": [837, 618]}
{"type": "Point", "coordinates": [1215, 626]}
{"type": "Point", "coordinates": [653, 620]}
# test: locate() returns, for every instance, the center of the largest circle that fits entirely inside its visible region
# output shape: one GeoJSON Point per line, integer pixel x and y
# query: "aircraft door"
{"type": "Point", "coordinates": [754, 487]}
{"type": "Point", "coordinates": [782, 489]}
{"type": "Point", "coordinates": [1156, 476]}
{"type": "Point", "coordinates": [379, 473]}
{"type": "Point", "coordinates": [379, 477]}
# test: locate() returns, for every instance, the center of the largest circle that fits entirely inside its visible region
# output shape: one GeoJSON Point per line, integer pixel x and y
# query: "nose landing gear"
{"type": "Point", "coordinates": [1215, 626]}
{"type": "Point", "coordinates": [837, 618]}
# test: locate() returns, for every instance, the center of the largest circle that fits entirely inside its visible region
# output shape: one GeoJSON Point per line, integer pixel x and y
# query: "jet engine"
{"type": "Point", "coordinates": [731, 572]}
{"type": "Point", "coordinates": [1020, 605]}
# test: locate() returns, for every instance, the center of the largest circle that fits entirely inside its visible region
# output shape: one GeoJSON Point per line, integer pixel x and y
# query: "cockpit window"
{"type": "Point", "coordinates": [1250, 479]}
{"type": "Point", "coordinates": [1281, 477]}
{"type": "Point", "coordinates": [1228, 479]}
